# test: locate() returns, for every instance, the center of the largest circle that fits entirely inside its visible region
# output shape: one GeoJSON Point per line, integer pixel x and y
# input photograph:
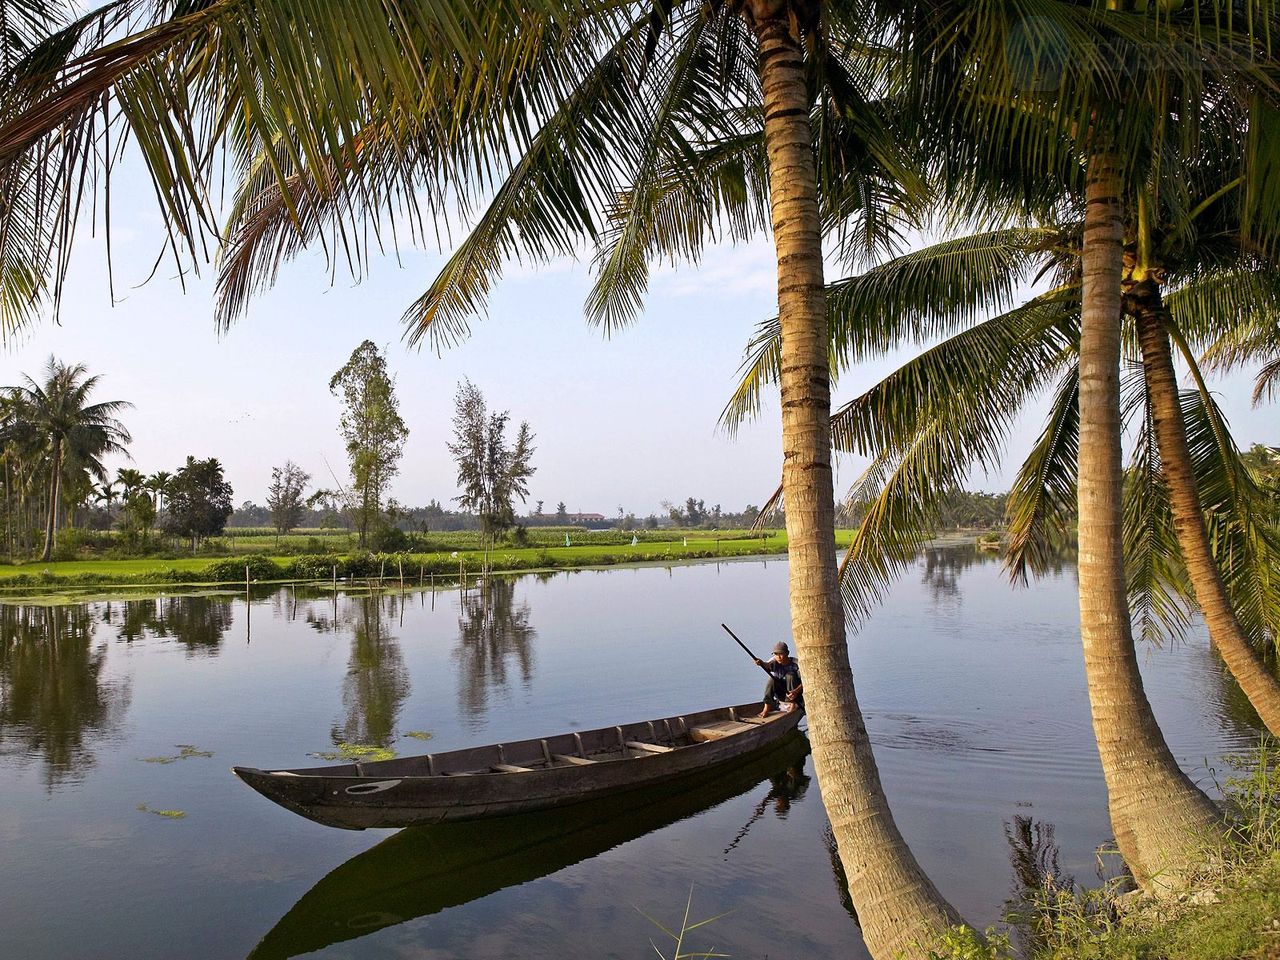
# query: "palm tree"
{"type": "Point", "coordinates": [73, 434]}
{"type": "Point", "coordinates": [106, 495]}
{"type": "Point", "coordinates": [593, 103]}
{"type": "Point", "coordinates": [131, 480]}
{"type": "Point", "coordinates": [158, 484]}
{"type": "Point", "coordinates": [928, 424]}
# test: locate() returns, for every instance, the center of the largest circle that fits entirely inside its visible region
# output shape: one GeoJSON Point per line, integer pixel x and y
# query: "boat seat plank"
{"type": "Point", "coordinates": [716, 731]}
{"type": "Point", "coordinates": [648, 747]}
{"type": "Point", "coordinates": [565, 758]}
{"type": "Point", "coordinates": [510, 768]}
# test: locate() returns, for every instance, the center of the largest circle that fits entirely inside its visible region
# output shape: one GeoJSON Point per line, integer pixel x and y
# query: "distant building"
{"type": "Point", "coordinates": [586, 517]}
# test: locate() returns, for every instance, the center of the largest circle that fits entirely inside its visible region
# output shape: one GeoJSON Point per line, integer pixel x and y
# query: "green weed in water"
{"type": "Point", "coordinates": [356, 751]}
{"type": "Point", "coordinates": [418, 734]}
{"type": "Point", "coordinates": [167, 814]}
{"type": "Point", "coordinates": [680, 937]}
{"type": "Point", "coordinates": [188, 751]}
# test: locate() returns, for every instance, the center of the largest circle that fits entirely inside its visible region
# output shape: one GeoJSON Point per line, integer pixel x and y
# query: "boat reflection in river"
{"type": "Point", "coordinates": [424, 870]}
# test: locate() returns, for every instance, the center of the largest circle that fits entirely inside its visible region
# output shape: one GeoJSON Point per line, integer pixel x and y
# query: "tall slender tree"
{"type": "Point", "coordinates": [372, 428]}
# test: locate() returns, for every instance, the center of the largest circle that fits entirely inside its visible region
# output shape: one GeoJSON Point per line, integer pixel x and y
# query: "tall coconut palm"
{"type": "Point", "coordinates": [929, 423]}
{"type": "Point", "coordinates": [106, 494]}
{"type": "Point", "coordinates": [669, 79]}
{"type": "Point", "coordinates": [587, 102]}
{"type": "Point", "coordinates": [73, 434]}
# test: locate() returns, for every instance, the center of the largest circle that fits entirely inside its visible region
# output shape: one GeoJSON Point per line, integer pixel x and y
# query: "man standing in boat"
{"type": "Point", "coordinates": [784, 683]}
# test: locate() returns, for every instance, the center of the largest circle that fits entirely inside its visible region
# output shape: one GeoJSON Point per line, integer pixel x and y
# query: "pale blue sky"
{"type": "Point", "coordinates": [625, 422]}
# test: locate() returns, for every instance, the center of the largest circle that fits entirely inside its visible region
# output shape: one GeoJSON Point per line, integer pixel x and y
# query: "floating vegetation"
{"type": "Point", "coordinates": [356, 751]}
{"type": "Point", "coordinates": [167, 814]}
{"type": "Point", "coordinates": [188, 751]}
{"type": "Point", "coordinates": [419, 734]}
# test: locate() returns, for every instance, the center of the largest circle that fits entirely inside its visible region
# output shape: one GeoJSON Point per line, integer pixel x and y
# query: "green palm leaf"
{"type": "Point", "coordinates": [929, 424]}
{"type": "Point", "coordinates": [1041, 507]}
{"type": "Point", "coordinates": [914, 298]}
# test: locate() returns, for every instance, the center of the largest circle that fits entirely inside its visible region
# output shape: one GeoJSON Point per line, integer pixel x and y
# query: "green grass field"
{"type": "Point", "coordinates": [698, 544]}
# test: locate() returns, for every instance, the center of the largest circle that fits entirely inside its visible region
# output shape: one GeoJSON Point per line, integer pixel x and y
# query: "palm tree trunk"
{"type": "Point", "coordinates": [55, 475]}
{"type": "Point", "coordinates": [900, 911]}
{"type": "Point", "coordinates": [1159, 816]}
{"type": "Point", "coordinates": [1241, 657]}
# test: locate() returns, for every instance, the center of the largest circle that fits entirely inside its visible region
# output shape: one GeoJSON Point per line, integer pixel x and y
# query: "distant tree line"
{"type": "Point", "coordinates": [57, 490]}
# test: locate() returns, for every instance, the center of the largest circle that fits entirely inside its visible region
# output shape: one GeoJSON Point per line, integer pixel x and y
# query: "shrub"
{"type": "Point", "coordinates": [388, 539]}
{"type": "Point", "coordinates": [259, 568]}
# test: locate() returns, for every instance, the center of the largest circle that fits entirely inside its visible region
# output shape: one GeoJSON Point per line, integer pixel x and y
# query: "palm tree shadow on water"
{"type": "Point", "coordinates": [423, 870]}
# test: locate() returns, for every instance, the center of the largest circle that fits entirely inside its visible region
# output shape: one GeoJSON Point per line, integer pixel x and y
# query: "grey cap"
{"type": "Point", "coordinates": [781, 647]}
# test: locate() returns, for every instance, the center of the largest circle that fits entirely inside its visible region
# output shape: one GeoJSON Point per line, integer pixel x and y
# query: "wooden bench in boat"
{"type": "Point", "coordinates": [716, 731]}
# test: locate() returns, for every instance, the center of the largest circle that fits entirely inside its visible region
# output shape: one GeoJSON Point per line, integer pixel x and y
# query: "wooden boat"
{"type": "Point", "coordinates": [424, 870]}
{"type": "Point", "coordinates": [502, 779]}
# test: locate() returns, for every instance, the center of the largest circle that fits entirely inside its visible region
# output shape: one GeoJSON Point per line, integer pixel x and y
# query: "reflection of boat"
{"type": "Point", "coordinates": [504, 779]}
{"type": "Point", "coordinates": [423, 870]}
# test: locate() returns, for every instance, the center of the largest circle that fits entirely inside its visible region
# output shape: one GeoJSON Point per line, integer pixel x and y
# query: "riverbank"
{"type": "Point", "coordinates": [385, 568]}
{"type": "Point", "coordinates": [1230, 912]}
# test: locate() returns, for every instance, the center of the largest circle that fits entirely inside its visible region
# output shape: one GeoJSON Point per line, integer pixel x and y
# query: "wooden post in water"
{"type": "Point", "coordinates": [335, 580]}
{"type": "Point", "coordinates": [382, 572]}
{"type": "Point", "coordinates": [401, 562]}
{"type": "Point", "coordinates": [248, 608]}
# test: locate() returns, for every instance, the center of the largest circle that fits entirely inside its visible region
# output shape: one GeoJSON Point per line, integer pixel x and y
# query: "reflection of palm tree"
{"type": "Point", "coordinates": [377, 682]}
{"type": "Point", "coordinates": [943, 566]}
{"type": "Point", "coordinates": [491, 630]}
{"type": "Point", "coordinates": [1037, 873]}
{"type": "Point", "coordinates": [52, 696]}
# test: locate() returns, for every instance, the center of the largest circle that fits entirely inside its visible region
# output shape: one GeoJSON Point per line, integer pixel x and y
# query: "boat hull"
{"type": "Point", "coordinates": [403, 793]}
{"type": "Point", "coordinates": [424, 870]}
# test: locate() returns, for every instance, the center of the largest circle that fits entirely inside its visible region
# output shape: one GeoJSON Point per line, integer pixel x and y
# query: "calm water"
{"type": "Point", "coordinates": [974, 694]}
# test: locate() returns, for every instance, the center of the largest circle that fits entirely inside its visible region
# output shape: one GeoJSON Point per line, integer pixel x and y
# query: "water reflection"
{"type": "Point", "coordinates": [788, 785]}
{"type": "Point", "coordinates": [492, 631]}
{"type": "Point", "coordinates": [1037, 875]}
{"type": "Point", "coordinates": [377, 681]}
{"type": "Point", "coordinates": [53, 699]}
{"type": "Point", "coordinates": [941, 567]}
{"type": "Point", "coordinates": [199, 622]}
{"type": "Point", "coordinates": [424, 870]}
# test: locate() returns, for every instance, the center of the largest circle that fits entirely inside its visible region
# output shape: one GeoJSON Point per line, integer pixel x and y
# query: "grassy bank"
{"type": "Point", "coordinates": [1230, 912]}
{"type": "Point", "coordinates": [443, 563]}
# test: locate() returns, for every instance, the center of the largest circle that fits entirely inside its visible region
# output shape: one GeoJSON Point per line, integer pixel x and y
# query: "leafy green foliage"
{"type": "Point", "coordinates": [187, 752]}
{"type": "Point", "coordinates": [199, 500]}
{"type": "Point", "coordinates": [372, 429]}
{"type": "Point", "coordinates": [285, 497]}
{"type": "Point", "coordinates": [491, 474]}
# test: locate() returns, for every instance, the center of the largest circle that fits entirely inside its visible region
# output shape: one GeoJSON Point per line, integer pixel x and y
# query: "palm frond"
{"type": "Point", "coordinates": [911, 299]}
{"type": "Point", "coordinates": [1158, 586]}
{"type": "Point", "coordinates": [932, 422]}
{"type": "Point", "coordinates": [1041, 508]}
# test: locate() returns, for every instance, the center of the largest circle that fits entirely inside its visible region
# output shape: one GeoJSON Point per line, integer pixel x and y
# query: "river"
{"type": "Point", "coordinates": [124, 834]}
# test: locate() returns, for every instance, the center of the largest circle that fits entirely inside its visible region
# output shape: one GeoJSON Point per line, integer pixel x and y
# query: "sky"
{"type": "Point", "coordinates": [623, 422]}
